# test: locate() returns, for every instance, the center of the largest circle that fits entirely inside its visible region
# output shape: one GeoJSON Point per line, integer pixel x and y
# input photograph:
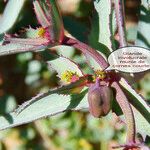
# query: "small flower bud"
{"type": "Point", "coordinates": [99, 98]}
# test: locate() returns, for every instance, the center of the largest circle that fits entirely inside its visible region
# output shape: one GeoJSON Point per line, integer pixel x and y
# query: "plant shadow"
{"type": "Point", "coordinates": [76, 99]}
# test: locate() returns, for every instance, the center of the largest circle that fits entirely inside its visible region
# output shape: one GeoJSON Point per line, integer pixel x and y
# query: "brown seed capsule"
{"type": "Point", "coordinates": [99, 98]}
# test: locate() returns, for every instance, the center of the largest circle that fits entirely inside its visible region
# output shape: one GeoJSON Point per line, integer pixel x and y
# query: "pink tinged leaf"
{"type": "Point", "coordinates": [57, 23]}
{"type": "Point", "coordinates": [27, 41]}
{"type": "Point", "coordinates": [41, 16]}
{"type": "Point", "coordinates": [86, 50]}
{"type": "Point", "coordinates": [49, 17]}
{"type": "Point", "coordinates": [127, 111]}
{"type": "Point", "coordinates": [18, 48]}
{"type": "Point", "coordinates": [92, 62]}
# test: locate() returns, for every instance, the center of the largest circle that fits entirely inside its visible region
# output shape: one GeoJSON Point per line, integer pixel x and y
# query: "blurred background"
{"type": "Point", "coordinates": [24, 75]}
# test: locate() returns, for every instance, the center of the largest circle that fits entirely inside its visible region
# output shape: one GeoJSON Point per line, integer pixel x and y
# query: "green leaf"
{"type": "Point", "coordinates": [142, 112]}
{"type": "Point", "coordinates": [62, 64]}
{"type": "Point", "coordinates": [49, 105]}
{"type": "Point", "coordinates": [65, 90]}
{"type": "Point", "coordinates": [65, 51]}
{"type": "Point", "coordinates": [103, 27]}
{"type": "Point", "coordinates": [143, 35]}
{"type": "Point", "coordinates": [132, 33]}
{"type": "Point", "coordinates": [18, 48]}
{"type": "Point", "coordinates": [10, 14]}
{"type": "Point", "coordinates": [142, 125]}
{"type": "Point", "coordinates": [31, 33]}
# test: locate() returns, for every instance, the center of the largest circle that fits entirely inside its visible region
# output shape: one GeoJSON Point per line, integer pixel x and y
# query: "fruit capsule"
{"type": "Point", "coordinates": [100, 99]}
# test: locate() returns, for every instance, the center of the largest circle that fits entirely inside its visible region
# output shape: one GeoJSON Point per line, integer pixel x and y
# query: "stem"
{"type": "Point", "coordinates": [86, 50]}
{"type": "Point", "coordinates": [120, 96]}
{"type": "Point", "coordinates": [120, 17]}
{"type": "Point", "coordinates": [127, 111]}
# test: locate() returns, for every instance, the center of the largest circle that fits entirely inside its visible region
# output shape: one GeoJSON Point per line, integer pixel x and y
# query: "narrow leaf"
{"type": "Point", "coordinates": [46, 106]}
{"type": "Point", "coordinates": [104, 12]}
{"type": "Point", "coordinates": [136, 100]}
{"type": "Point", "coordinates": [87, 51]}
{"type": "Point", "coordinates": [101, 32]}
{"type": "Point", "coordinates": [142, 125]}
{"type": "Point", "coordinates": [27, 41]}
{"type": "Point", "coordinates": [92, 62]}
{"type": "Point", "coordinates": [48, 15]}
{"type": "Point", "coordinates": [142, 110]}
{"type": "Point", "coordinates": [18, 48]}
{"type": "Point", "coordinates": [40, 14]}
{"type": "Point", "coordinates": [65, 90]}
{"type": "Point", "coordinates": [10, 14]}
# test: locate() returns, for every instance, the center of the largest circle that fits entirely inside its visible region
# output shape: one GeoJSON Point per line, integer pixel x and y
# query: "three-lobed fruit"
{"type": "Point", "coordinates": [100, 100]}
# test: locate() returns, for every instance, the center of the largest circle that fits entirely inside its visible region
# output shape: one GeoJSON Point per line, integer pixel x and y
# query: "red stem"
{"type": "Point", "coordinates": [86, 50]}
{"type": "Point", "coordinates": [127, 111]}
{"type": "Point", "coordinates": [119, 11]}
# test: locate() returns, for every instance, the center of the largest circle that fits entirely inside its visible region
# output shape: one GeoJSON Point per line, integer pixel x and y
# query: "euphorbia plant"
{"type": "Point", "coordinates": [99, 89]}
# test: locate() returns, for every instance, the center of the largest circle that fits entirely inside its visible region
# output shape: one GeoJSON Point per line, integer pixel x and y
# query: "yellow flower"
{"type": "Point", "coordinates": [100, 74]}
{"type": "Point", "coordinates": [41, 32]}
{"type": "Point", "coordinates": [69, 76]}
